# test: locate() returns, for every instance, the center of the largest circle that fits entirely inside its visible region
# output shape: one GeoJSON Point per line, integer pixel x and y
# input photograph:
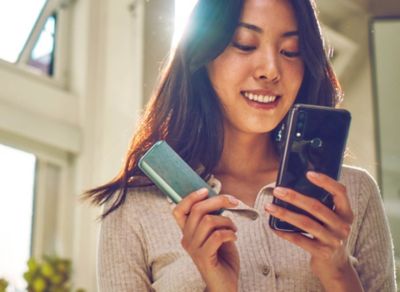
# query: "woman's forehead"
{"type": "Point", "coordinates": [269, 14]}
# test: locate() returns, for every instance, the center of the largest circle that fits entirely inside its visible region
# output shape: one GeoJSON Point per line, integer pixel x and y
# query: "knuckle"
{"type": "Point", "coordinates": [346, 230]}
{"type": "Point", "coordinates": [305, 222]}
{"type": "Point", "coordinates": [218, 235]}
{"type": "Point", "coordinates": [342, 189]}
{"type": "Point", "coordinates": [337, 243]}
{"type": "Point", "coordinates": [208, 220]}
{"type": "Point", "coordinates": [225, 201]}
{"type": "Point", "coordinates": [316, 206]}
{"type": "Point", "coordinates": [281, 212]}
{"type": "Point", "coordinates": [196, 209]}
{"type": "Point", "coordinates": [292, 196]}
{"type": "Point", "coordinates": [323, 178]}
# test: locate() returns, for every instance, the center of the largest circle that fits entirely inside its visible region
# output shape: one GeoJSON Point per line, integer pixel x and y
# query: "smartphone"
{"type": "Point", "coordinates": [314, 140]}
{"type": "Point", "coordinates": [171, 174]}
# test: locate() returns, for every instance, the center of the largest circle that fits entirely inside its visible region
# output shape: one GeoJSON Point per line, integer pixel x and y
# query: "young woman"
{"type": "Point", "coordinates": [236, 72]}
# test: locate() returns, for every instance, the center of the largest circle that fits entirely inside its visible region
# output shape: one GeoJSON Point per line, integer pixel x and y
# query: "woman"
{"type": "Point", "coordinates": [221, 100]}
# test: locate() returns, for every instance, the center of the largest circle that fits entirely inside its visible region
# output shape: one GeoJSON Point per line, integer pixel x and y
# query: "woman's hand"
{"type": "Point", "coordinates": [330, 260]}
{"type": "Point", "coordinates": [209, 239]}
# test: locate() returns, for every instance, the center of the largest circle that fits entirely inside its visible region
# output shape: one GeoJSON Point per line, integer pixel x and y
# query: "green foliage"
{"type": "Point", "coordinates": [52, 274]}
{"type": "Point", "coordinates": [3, 285]}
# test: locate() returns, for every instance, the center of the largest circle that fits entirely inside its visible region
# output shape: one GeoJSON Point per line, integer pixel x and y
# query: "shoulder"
{"type": "Point", "coordinates": [357, 178]}
{"type": "Point", "coordinates": [360, 186]}
{"type": "Point", "coordinates": [140, 203]}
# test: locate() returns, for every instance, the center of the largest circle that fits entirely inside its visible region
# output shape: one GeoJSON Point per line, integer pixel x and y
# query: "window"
{"type": "Point", "coordinates": [17, 19]}
{"type": "Point", "coordinates": [42, 56]}
{"type": "Point", "coordinates": [17, 172]}
{"type": "Point", "coordinates": [34, 36]}
{"type": "Point", "coordinates": [386, 71]}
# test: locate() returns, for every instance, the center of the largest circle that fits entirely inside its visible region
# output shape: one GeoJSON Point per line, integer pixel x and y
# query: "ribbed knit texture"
{"type": "Point", "coordinates": [140, 249]}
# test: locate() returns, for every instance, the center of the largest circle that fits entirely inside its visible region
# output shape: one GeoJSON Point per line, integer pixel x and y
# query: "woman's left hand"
{"type": "Point", "coordinates": [330, 260]}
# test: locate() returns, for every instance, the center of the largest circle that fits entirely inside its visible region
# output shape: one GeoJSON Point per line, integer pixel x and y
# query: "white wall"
{"type": "Point", "coordinates": [107, 76]}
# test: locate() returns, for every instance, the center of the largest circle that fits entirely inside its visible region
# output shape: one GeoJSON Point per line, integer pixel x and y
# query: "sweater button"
{"type": "Point", "coordinates": [253, 216]}
{"type": "Point", "coordinates": [266, 270]}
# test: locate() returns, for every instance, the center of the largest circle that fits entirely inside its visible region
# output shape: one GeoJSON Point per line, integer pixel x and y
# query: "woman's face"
{"type": "Point", "coordinates": [258, 75]}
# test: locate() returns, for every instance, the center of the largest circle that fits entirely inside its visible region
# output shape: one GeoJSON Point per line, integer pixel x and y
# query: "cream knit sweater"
{"type": "Point", "coordinates": [140, 250]}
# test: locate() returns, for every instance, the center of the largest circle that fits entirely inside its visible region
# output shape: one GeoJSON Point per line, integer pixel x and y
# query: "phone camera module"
{"type": "Point", "coordinates": [302, 116]}
{"type": "Point", "coordinates": [301, 119]}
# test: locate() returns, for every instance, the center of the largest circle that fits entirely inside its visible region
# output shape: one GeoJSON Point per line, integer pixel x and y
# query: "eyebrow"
{"type": "Point", "coordinates": [250, 26]}
{"type": "Point", "coordinates": [259, 29]}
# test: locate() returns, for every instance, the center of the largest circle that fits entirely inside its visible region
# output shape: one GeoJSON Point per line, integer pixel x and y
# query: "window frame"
{"type": "Point", "coordinates": [61, 237]}
{"type": "Point", "coordinates": [61, 50]}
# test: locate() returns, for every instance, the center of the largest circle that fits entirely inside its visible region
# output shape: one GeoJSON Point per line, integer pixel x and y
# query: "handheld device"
{"type": "Point", "coordinates": [171, 174]}
{"type": "Point", "coordinates": [314, 140]}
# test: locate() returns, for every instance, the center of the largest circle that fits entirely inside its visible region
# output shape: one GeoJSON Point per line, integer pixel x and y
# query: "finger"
{"type": "Point", "coordinates": [305, 223]}
{"type": "Point", "coordinates": [338, 191]}
{"type": "Point", "coordinates": [313, 247]}
{"type": "Point", "coordinates": [316, 208]}
{"type": "Point", "coordinates": [209, 224]}
{"type": "Point", "coordinates": [202, 208]}
{"type": "Point", "coordinates": [182, 209]}
{"type": "Point", "coordinates": [215, 241]}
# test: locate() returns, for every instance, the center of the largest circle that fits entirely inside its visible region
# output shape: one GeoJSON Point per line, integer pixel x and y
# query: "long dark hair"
{"type": "Point", "coordinates": [185, 110]}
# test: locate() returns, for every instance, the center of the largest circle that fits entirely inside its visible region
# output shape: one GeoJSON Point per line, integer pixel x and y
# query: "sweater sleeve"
{"type": "Point", "coordinates": [121, 255]}
{"type": "Point", "coordinates": [374, 246]}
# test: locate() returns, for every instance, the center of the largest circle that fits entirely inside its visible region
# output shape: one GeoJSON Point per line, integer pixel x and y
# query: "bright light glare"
{"type": "Point", "coordinates": [17, 169]}
{"type": "Point", "coordinates": [45, 44]}
{"type": "Point", "coordinates": [182, 12]}
{"type": "Point", "coordinates": [17, 18]}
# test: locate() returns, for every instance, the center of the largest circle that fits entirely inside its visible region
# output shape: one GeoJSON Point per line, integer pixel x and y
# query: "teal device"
{"type": "Point", "coordinates": [171, 174]}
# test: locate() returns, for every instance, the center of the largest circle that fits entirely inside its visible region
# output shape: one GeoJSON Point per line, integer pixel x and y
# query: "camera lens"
{"type": "Point", "coordinates": [302, 116]}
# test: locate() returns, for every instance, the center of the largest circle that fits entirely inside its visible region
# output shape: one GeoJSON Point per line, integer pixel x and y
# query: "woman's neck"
{"type": "Point", "coordinates": [247, 154]}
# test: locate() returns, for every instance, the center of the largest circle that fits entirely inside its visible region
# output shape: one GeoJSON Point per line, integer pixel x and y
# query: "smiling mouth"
{"type": "Point", "coordinates": [260, 98]}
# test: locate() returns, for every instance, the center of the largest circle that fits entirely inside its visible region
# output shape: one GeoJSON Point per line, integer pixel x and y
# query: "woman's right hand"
{"type": "Point", "coordinates": [210, 239]}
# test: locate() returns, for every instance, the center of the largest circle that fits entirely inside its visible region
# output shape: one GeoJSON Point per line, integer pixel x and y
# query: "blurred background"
{"type": "Point", "coordinates": [74, 77]}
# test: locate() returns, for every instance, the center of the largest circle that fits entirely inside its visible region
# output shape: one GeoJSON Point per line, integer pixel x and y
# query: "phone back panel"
{"type": "Point", "coordinates": [315, 141]}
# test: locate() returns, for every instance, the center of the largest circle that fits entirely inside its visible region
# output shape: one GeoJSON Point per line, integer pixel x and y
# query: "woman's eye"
{"type": "Point", "coordinates": [243, 47]}
{"type": "Point", "coordinates": [290, 54]}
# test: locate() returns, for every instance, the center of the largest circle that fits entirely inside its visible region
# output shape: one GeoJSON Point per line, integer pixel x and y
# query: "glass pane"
{"type": "Point", "coordinates": [17, 172]}
{"type": "Point", "coordinates": [42, 56]}
{"type": "Point", "coordinates": [17, 18]}
{"type": "Point", "coordinates": [182, 12]}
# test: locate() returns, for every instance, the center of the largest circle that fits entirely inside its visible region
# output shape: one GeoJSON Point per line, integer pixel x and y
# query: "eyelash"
{"type": "Point", "coordinates": [290, 54]}
{"type": "Point", "coordinates": [243, 47]}
{"type": "Point", "coordinates": [250, 48]}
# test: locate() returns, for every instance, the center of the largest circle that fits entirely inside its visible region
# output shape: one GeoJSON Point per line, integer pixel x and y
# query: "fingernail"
{"type": "Point", "coordinates": [202, 192]}
{"type": "Point", "coordinates": [313, 174]}
{"type": "Point", "coordinates": [280, 192]}
{"type": "Point", "coordinates": [271, 208]}
{"type": "Point", "coordinates": [233, 200]}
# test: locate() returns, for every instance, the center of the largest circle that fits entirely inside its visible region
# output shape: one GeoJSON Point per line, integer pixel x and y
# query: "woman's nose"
{"type": "Point", "coordinates": [267, 69]}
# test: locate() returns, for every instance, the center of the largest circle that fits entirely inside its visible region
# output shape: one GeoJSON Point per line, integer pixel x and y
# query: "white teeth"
{"type": "Point", "coordinates": [260, 98]}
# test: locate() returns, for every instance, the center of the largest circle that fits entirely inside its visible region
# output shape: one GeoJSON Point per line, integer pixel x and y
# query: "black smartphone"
{"type": "Point", "coordinates": [314, 139]}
